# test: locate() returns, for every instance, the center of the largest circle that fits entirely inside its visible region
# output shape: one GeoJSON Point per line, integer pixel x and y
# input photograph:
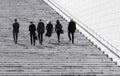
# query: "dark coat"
{"type": "Point", "coordinates": [32, 29]}
{"type": "Point", "coordinates": [72, 27]}
{"type": "Point", "coordinates": [16, 27]}
{"type": "Point", "coordinates": [58, 27]}
{"type": "Point", "coordinates": [49, 29]}
{"type": "Point", "coordinates": [41, 27]}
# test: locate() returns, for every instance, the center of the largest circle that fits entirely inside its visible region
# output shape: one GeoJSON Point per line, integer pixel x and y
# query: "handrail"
{"type": "Point", "coordinates": [101, 40]}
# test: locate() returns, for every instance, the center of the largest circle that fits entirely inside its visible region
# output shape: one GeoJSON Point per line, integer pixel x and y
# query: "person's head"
{"type": "Point", "coordinates": [49, 22]}
{"type": "Point", "coordinates": [71, 20]}
{"type": "Point", "coordinates": [40, 20]}
{"type": "Point", "coordinates": [31, 22]}
{"type": "Point", "coordinates": [15, 20]}
{"type": "Point", "coordinates": [57, 21]}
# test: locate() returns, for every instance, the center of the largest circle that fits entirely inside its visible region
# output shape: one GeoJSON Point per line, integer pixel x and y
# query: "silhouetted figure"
{"type": "Point", "coordinates": [71, 30]}
{"type": "Point", "coordinates": [32, 29]}
{"type": "Point", "coordinates": [58, 29]}
{"type": "Point", "coordinates": [49, 29]}
{"type": "Point", "coordinates": [40, 30]}
{"type": "Point", "coordinates": [15, 31]}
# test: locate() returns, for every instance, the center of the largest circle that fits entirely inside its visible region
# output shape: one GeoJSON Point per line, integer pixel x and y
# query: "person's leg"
{"type": "Point", "coordinates": [31, 38]}
{"type": "Point", "coordinates": [14, 37]}
{"type": "Point", "coordinates": [69, 36]}
{"type": "Point", "coordinates": [41, 38]}
{"type": "Point", "coordinates": [58, 34]}
{"type": "Point", "coordinates": [34, 38]}
{"type": "Point", "coordinates": [73, 38]}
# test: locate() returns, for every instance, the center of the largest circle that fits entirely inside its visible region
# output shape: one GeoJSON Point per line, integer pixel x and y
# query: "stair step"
{"type": "Point", "coordinates": [69, 49]}
{"type": "Point", "coordinates": [67, 64]}
{"type": "Point", "coordinates": [23, 59]}
{"type": "Point", "coordinates": [59, 71]}
{"type": "Point", "coordinates": [23, 67]}
{"type": "Point", "coordinates": [54, 60]}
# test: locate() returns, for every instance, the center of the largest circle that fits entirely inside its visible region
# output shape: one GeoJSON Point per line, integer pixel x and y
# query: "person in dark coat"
{"type": "Point", "coordinates": [49, 29]}
{"type": "Point", "coordinates": [71, 30]}
{"type": "Point", "coordinates": [15, 31]}
{"type": "Point", "coordinates": [58, 29]}
{"type": "Point", "coordinates": [40, 30]}
{"type": "Point", "coordinates": [32, 29]}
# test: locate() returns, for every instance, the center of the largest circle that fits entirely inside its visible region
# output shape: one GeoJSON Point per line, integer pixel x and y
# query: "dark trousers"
{"type": "Point", "coordinates": [15, 37]}
{"type": "Point", "coordinates": [71, 36]}
{"type": "Point", "coordinates": [58, 36]}
{"type": "Point", "coordinates": [32, 38]}
{"type": "Point", "coordinates": [40, 36]}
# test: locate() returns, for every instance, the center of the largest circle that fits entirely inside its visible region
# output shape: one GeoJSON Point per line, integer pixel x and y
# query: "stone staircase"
{"type": "Point", "coordinates": [64, 59]}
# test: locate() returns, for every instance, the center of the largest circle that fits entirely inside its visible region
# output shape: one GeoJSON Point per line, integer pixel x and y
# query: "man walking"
{"type": "Point", "coordinates": [15, 31]}
{"type": "Point", "coordinates": [32, 29]}
{"type": "Point", "coordinates": [71, 30]}
{"type": "Point", "coordinates": [40, 30]}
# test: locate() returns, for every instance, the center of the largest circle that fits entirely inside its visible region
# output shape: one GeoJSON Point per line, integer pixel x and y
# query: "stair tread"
{"type": "Point", "coordinates": [80, 58]}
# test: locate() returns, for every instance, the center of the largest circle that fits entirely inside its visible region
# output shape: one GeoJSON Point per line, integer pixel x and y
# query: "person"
{"type": "Point", "coordinates": [32, 29]}
{"type": "Point", "coordinates": [71, 30]}
{"type": "Point", "coordinates": [58, 29]}
{"type": "Point", "coordinates": [49, 29]}
{"type": "Point", "coordinates": [40, 30]}
{"type": "Point", "coordinates": [15, 31]}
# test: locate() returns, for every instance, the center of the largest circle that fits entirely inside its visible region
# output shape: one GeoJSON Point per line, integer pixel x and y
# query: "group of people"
{"type": "Point", "coordinates": [41, 30]}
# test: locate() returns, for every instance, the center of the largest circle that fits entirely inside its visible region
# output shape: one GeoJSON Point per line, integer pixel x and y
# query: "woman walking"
{"type": "Point", "coordinates": [49, 29]}
{"type": "Point", "coordinates": [58, 29]}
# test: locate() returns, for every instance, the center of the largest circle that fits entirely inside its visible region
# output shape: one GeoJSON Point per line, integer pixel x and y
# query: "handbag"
{"type": "Point", "coordinates": [35, 37]}
{"type": "Point", "coordinates": [61, 31]}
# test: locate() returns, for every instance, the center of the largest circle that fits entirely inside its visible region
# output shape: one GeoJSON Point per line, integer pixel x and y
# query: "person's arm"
{"type": "Point", "coordinates": [13, 26]}
{"type": "Point", "coordinates": [61, 26]}
{"type": "Point", "coordinates": [56, 27]}
{"type": "Point", "coordinates": [68, 26]}
{"type": "Point", "coordinates": [18, 25]}
{"type": "Point", "coordinates": [52, 26]}
{"type": "Point", "coordinates": [75, 26]}
{"type": "Point", "coordinates": [29, 28]}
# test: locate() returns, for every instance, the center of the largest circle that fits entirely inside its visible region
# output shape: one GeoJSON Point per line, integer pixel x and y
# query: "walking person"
{"type": "Point", "coordinates": [15, 31]}
{"type": "Point", "coordinates": [40, 30]}
{"type": "Point", "coordinates": [49, 29]}
{"type": "Point", "coordinates": [71, 30]}
{"type": "Point", "coordinates": [32, 29]}
{"type": "Point", "coordinates": [58, 29]}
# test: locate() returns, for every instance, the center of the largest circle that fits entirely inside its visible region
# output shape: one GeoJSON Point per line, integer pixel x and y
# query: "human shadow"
{"type": "Point", "coordinates": [40, 47]}
{"type": "Point", "coordinates": [50, 47]}
{"type": "Point", "coordinates": [23, 45]}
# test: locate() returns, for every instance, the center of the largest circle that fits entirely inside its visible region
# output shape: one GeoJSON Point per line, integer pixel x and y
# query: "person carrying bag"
{"type": "Point", "coordinates": [58, 29]}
